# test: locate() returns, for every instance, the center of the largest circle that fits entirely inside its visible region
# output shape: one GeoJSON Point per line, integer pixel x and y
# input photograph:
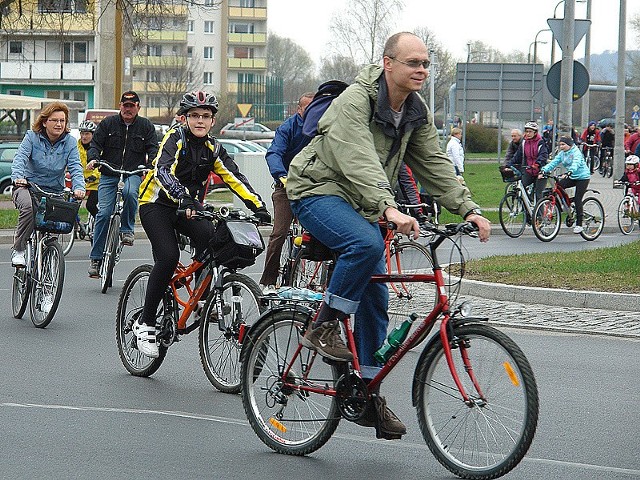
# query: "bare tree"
{"type": "Point", "coordinates": [337, 67]}
{"type": "Point", "coordinates": [289, 61]}
{"type": "Point", "coordinates": [362, 29]}
{"type": "Point", "coordinates": [176, 75]}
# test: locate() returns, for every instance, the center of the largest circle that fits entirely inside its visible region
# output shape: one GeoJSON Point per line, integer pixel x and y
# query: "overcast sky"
{"type": "Point", "coordinates": [504, 24]}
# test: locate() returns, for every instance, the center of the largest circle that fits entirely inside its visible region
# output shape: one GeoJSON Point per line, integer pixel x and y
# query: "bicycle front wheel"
{"type": "Point", "coordinates": [130, 306]}
{"type": "Point", "coordinates": [47, 287]}
{"type": "Point", "coordinates": [626, 210]}
{"type": "Point", "coordinates": [592, 219]}
{"type": "Point", "coordinates": [546, 220]}
{"type": "Point", "coordinates": [66, 240]}
{"type": "Point", "coordinates": [486, 436]}
{"type": "Point", "coordinates": [513, 215]}
{"type": "Point", "coordinates": [287, 419]}
{"type": "Point", "coordinates": [309, 274]}
{"type": "Point", "coordinates": [110, 252]}
{"type": "Point", "coordinates": [219, 337]}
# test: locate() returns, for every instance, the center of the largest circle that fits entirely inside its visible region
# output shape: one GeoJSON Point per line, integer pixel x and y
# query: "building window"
{"type": "Point", "coordinates": [208, 53]}
{"type": "Point", "coordinates": [208, 26]}
{"type": "Point", "coordinates": [154, 50]}
{"type": "Point", "coordinates": [75, 52]}
{"type": "Point", "coordinates": [74, 95]}
{"type": "Point", "coordinates": [241, 27]}
{"type": "Point", "coordinates": [189, 76]}
{"type": "Point", "coordinates": [208, 78]}
{"type": "Point", "coordinates": [154, 102]}
{"type": "Point", "coordinates": [189, 52]}
{"type": "Point", "coordinates": [190, 25]}
{"type": "Point", "coordinates": [62, 6]}
{"type": "Point", "coordinates": [15, 48]}
{"type": "Point", "coordinates": [248, 3]}
{"type": "Point", "coordinates": [242, 52]}
{"type": "Point", "coordinates": [154, 76]}
{"type": "Point", "coordinates": [209, 3]}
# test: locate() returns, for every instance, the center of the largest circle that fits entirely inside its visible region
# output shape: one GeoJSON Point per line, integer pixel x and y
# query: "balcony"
{"type": "Point", "coordinates": [247, 63]}
{"type": "Point", "coordinates": [162, 9]}
{"type": "Point", "coordinates": [247, 13]}
{"type": "Point", "coordinates": [71, 72]}
{"type": "Point", "coordinates": [168, 61]}
{"type": "Point", "coordinates": [248, 38]}
{"type": "Point", "coordinates": [163, 36]}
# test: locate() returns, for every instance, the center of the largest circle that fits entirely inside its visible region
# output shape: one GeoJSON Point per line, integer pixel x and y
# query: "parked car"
{"type": "Point", "coordinates": [246, 132]}
{"type": "Point", "coordinates": [232, 147]}
{"type": "Point", "coordinates": [7, 152]}
{"type": "Point", "coordinates": [265, 142]}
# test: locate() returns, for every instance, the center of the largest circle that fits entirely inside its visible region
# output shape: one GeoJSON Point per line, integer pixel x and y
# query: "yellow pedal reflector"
{"type": "Point", "coordinates": [277, 425]}
{"type": "Point", "coordinates": [512, 374]}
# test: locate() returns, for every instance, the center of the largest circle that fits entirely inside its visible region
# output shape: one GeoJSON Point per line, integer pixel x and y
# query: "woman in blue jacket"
{"type": "Point", "coordinates": [46, 152]}
{"type": "Point", "coordinates": [578, 174]}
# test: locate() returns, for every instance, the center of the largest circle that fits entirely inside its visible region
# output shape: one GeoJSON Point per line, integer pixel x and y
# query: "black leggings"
{"type": "Point", "coordinates": [92, 202]}
{"type": "Point", "coordinates": [581, 188]}
{"type": "Point", "coordinates": [161, 224]}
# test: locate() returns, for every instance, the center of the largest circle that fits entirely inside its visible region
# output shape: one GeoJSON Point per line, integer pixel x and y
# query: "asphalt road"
{"type": "Point", "coordinates": [68, 408]}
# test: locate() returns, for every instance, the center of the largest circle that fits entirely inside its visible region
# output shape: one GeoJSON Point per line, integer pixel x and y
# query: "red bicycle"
{"type": "Point", "coordinates": [473, 388]}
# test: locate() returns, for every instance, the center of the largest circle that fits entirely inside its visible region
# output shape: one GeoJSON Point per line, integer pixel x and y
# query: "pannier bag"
{"type": "Point", "coordinates": [236, 244]}
{"type": "Point", "coordinates": [55, 215]}
{"type": "Point", "coordinates": [313, 249]}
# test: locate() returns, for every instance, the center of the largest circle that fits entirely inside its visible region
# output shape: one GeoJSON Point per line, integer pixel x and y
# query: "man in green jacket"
{"type": "Point", "coordinates": [340, 184]}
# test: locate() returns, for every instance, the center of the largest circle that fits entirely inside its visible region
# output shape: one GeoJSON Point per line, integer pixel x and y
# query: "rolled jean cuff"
{"type": "Point", "coordinates": [369, 372]}
{"type": "Point", "coordinates": [339, 303]}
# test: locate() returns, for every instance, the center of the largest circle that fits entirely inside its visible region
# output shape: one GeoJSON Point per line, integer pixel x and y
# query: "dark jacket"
{"type": "Point", "coordinates": [531, 165]}
{"type": "Point", "coordinates": [511, 151]}
{"type": "Point", "coordinates": [182, 169]}
{"type": "Point", "coordinates": [287, 143]}
{"type": "Point", "coordinates": [121, 146]}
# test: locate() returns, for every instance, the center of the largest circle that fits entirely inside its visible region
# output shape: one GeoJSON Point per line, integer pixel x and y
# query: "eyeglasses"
{"type": "Point", "coordinates": [56, 120]}
{"type": "Point", "coordinates": [195, 116]}
{"type": "Point", "coordinates": [414, 63]}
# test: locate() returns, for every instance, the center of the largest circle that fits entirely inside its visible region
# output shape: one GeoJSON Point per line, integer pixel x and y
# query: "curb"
{"type": "Point", "coordinates": [552, 296]}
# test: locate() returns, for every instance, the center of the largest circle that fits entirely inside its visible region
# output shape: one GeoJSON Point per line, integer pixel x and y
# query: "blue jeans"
{"type": "Point", "coordinates": [107, 189]}
{"type": "Point", "coordinates": [361, 247]}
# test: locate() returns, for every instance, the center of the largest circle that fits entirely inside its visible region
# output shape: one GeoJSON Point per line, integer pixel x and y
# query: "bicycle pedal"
{"type": "Point", "coordinates": [386, 435]}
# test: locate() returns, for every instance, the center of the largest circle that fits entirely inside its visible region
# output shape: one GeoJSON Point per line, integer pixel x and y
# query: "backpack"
{"type": "Point", "coordinates": [326, 93]}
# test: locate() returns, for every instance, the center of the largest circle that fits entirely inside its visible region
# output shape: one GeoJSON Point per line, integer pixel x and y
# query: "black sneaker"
{"type": "Point", "coordinates": [388, 425]}
{"type": "Point", "coordinates": [94, 268]}
{"type": "Point", "coordinates": [326, 340]}
{"type": "Point", "coordinates": [127, 239]}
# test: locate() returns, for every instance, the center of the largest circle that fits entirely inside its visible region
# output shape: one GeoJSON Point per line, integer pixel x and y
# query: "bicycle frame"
{"type": "Point", "coordinates": [442, 307]}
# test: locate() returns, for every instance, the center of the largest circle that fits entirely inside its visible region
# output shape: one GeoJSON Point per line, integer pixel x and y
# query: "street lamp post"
{"type": "Point", "coordinates": [535, 44]}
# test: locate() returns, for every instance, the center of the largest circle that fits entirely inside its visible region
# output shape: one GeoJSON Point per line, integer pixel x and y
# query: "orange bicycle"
{"type": "Point", "coordinates": [232, 302]}
{"type": "Point", "coordinates": [473, 388]}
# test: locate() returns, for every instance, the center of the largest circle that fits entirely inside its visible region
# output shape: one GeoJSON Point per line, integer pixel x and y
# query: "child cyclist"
{"type": "Point", "coordinates": [632, 174]}
{"type": "Point", "coordinates": [180, 172]}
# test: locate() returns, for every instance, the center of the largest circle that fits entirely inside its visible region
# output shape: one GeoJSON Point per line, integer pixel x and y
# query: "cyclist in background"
{"type": "Point", "coordinates": [124, 141]}
{"type": "Point", "coordinates": [44, 155]}
{"type": "Point", "coordinates": [608, 140]}
{"type": "Point", "coordinates": [341, 183]}
{"type": "Point", "coordinates": [530, 158]}
{"type": "Point", "coordinates": [632, 174]}
{"type": "Point", "coordinates": [590, 136]}
{"type": "Point", "coordinates": [578, 174]}
{"type": "Point", "coordinates": [514, 144]}
{"type": "Point", "coordinates": [287, 143]}
{"type": "Point", "coordinates": [91, 177]}
{"type": "Point", "coordinates": [180, 172]}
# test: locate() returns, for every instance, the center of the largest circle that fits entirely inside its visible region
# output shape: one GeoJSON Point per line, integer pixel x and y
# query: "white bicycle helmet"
{"type": "Point", "coordinates": [531, 126]}
{"type": "Point", "coordinates": [632, 160]}
{"type": "Point", "coordinates": [87, 126]}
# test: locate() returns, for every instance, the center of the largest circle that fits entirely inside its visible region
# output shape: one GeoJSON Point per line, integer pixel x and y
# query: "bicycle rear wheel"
{"type": "Point", "coordinates": [46, 289]}
{"type": "Point", "coordinates": [110, 252]}
{"type": "Point", "coordinates": [130, 306]}
{"type": "Point", "coordinates": [546, 220]}
{"type": "Point", "coordinates": [219, 338]}
{"type": "Point", "coordinates": [513, 215]}
{"type": "Point", "coordinates": [284, 271]}
{"type": "Point", "coordinates": [487, 436]}
{"type": "Point", "coordinates": [310, 274]}
{"type": "Point", "coordinates": [626, 209]}
{"type": "Point", "coordinates": [287, 419]}
{"type": "Point", "coordinates": [592, 219]}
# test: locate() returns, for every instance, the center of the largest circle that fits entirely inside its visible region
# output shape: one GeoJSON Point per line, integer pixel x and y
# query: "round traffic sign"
{"type": "Point", "coordinates": [580, 80]}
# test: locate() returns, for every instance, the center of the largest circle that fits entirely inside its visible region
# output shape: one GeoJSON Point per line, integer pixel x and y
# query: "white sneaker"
{"type": "Point", "coordinates": [146, 339]}
{"type": "Point", "coordinates": [577, 229]}
{"type": "Point", "coordinates": [269, 290]}
{"type": "Point", "coordinates": [17, 258]}
{"type": "Point", "coordinates": [46, 304]}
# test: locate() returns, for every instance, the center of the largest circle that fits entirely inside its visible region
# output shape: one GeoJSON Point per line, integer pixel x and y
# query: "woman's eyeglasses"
{"type": "Point", "coordinates": [56, 120]}
{"type": "Point", "coordinates": [195, 116]}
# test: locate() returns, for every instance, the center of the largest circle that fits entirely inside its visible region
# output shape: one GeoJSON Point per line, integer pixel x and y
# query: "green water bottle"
{"type": "Point", "coordinates": [395, 339]}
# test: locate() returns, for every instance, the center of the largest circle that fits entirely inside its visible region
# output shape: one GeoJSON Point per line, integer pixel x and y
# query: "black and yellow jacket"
{"type": "Point", "coordinates": [182, 166]}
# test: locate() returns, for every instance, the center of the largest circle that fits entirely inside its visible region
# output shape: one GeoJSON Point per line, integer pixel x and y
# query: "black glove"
{"type": "Point", "coordinates": [263, 215]}
{"type": "Point", "coordinates": [189, 203]}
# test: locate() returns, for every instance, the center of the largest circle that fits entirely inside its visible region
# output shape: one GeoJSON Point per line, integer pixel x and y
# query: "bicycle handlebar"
{"type": "Point", "coordinates": [141, 169]}
{"type": "Point", "coordinates": [66, 193]}
{"type": "Point", "coordinates": [210, 212]}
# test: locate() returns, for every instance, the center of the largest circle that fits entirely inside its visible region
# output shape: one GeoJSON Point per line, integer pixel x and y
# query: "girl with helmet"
{"type": "Point", "coordinates": [632, 174]}
{"type": "Point", "coordinates": [578, 175]}
{"type": "Point", "coordinates": [530, 157]}
{"type": "Point", "coordinates": [181, 169]}
{"type": "Point", "coordinates": [91, 177]}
